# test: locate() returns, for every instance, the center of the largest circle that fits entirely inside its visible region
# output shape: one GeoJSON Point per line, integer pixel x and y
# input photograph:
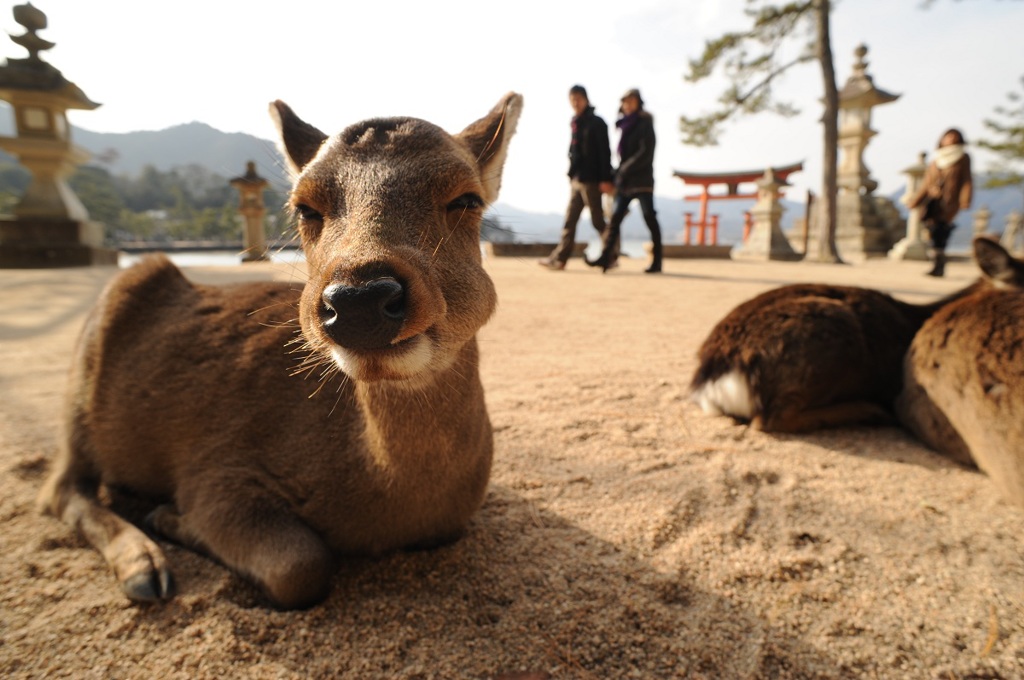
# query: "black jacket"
{"type": "Point", "coordinates": [636, 167]}
{"type": "Point", "coordinates": [590, 157]}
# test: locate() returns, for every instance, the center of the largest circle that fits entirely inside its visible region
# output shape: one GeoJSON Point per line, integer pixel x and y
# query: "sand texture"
{"type": "Point", "coordinates": [625, 533]}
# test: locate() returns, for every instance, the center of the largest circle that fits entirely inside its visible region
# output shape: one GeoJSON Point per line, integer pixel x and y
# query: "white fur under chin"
{"type": "Point", "coordinates": [727, 395]}
{"type": "Point", "coordinates": [414, 361]}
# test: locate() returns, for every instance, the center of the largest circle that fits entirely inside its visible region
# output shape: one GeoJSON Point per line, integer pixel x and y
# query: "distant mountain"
{"type": "Point", "coordinates": [547, 227]}
{"type": "Point", "coordinates": [224, 153]}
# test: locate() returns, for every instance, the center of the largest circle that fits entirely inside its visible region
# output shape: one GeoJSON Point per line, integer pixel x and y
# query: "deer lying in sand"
{"type": "Point", "coordinates": [963, 391]}
{"type": "Point", "coordinates": [191, 394]}
{"type": "Point", "coordinates": [808, 356]}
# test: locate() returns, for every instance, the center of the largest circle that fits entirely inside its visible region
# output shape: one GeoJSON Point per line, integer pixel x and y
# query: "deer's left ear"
{"type": "Point", "coordinates": [995, 262]}
{"type": "Point", "coordinates": [488, 140]}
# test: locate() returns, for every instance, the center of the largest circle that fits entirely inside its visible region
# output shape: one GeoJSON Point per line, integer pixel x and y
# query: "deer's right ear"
{"type": "Point", "coordinates": [996, 263]}
{"type": "Point", "coordinates": [488, 140]}
{"type": "Point", "coordinates": [300, 141]}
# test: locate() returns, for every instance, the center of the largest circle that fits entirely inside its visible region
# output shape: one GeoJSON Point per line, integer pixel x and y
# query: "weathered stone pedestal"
{"type": "Point", "coordinates": [859, 231]}
{"type": "Point", "coordinates": [766, 240]}
{"type": "Point", "coordinates": [29, 243]}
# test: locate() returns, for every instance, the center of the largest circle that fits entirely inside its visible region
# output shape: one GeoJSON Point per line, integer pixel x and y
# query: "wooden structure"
{"type": "Point", "coordinates": [707, 225]}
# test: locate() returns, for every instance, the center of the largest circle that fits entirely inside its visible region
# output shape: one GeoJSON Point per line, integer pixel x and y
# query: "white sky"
{"type": "Point", "coordinates": [157, 64]}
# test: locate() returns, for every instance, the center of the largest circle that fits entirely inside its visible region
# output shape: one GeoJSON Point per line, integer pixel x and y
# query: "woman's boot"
{"type": "Point", "coordinates": [939, 268]}
{"type": "Point", "coordinates": [655, 267]}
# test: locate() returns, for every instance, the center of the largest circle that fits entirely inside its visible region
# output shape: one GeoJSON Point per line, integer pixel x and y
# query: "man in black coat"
{"type": "Point", "coordinates": [633, 179]}
{"type": "Point", "coordinates": [590, 174]}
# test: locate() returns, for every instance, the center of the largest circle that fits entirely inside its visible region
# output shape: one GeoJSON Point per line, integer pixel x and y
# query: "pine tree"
{"type": "Point", "coordinates": [752, 77]}
{"type": "Point", "coordinates": [1008, 143]}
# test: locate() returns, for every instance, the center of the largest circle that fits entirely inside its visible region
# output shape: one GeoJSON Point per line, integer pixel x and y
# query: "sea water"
{"type": "Point", "coordinates": [227, 258]}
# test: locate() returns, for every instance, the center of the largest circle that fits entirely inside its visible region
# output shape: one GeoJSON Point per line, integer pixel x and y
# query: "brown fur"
{"type": "Point", "coordinates": [266, 455]}
{"type": "Point", "coordinates": [808, 356]}
{"type": "Point", "coordinates": [964, 375]}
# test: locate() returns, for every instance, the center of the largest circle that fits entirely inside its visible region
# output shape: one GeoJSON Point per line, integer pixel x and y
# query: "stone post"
{"type": "Point", "coordinates": [980, 223]}
{"type": "Point", "coordinates": [250, 191]}
{"type": "Point", "coordinates": [766, 240]}
{"type": "Point", "coordinates": [1014, 231]}
{"type": "Point", "coordinates": [911, 246]}
{"type": "Point", "coordinates": [50, 227]}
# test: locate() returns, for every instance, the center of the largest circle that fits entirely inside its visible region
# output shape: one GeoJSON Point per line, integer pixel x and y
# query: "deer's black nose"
{"type": "Point", "coordinates": [367, 316]}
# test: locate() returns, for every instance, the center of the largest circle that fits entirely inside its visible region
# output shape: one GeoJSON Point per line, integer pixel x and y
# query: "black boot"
{"type": "Point", "coordinates": [939, 269]}
{"type": "Point", "coordinates": [604, 261]}
{"type": "Point", "coordinates": [655, 267]}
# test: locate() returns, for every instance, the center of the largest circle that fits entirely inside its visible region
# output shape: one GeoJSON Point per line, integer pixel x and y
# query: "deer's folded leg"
{"type": "Point", "coordinates": [258, 538]}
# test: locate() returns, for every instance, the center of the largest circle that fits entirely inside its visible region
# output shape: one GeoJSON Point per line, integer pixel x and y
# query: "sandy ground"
{"type": "Point", "coordinates": [625, 534]}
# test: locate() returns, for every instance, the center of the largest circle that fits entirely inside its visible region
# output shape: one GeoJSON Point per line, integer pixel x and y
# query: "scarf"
{"type": "Point", "coordinates": [625, 124]}
{"type": "Point", "coordinates": [945, 156]}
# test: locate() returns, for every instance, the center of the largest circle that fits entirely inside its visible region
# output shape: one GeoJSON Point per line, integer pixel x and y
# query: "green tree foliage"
{"type": "Point", "coordinates": [1007, 141]}
{"type": "Point", "coordinates": [187, 203]}
{"type": "Point", "coordinates": [752, 61]}
{"type": "Point", "coordinates": [96, 189]}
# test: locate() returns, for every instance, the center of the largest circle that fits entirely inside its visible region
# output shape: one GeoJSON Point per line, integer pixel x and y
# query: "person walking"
{"type": "Point", "coordinates": [634, 179]}
{"type": "Point", "coordinates": [590, 175]}
{"type": "Point", "coordinates": [946, 190]}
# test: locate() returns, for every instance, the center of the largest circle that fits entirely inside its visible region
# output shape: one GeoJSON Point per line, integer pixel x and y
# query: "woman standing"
{"type": "Point", "coordinates": [945, 191]}
{"type": "Point", "coordinates": [633, 179]}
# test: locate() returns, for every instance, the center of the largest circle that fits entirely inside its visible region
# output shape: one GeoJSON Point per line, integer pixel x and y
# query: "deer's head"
{"type": "Point", "coordinates": [389, 215]}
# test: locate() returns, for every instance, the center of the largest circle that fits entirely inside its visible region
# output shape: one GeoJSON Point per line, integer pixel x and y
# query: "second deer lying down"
{"type": "Point", "coordinates": [191, 394]}
{"type": "Point", "coordinates": [964, 375]}
{"type": "Point", "coordinates": [807, 356]}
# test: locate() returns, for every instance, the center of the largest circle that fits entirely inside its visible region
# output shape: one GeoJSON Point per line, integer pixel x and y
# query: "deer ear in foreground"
{"type": "Point", "coordinates": [808, 356]}
{"type": "Point", "coordinates": [964, 375]}
{"type": "Point", "coordinates": [281, 425]}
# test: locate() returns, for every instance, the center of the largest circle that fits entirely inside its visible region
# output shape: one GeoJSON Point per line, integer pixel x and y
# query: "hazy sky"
{"type": "Point", "coordinates": [157, 64]}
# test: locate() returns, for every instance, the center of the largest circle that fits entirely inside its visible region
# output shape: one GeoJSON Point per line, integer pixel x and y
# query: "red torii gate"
{"type": "Point", "coordinates": [731, 180]}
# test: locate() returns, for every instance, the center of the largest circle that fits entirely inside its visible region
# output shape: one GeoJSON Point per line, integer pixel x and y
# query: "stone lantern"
{"type": "Point", "coordinates": [250, 192]}
{"type": "Point", "coordinates": [50, 226]}
{"type": "Point", "coordinates": [1014, 231]}
{"type": "Point", "coordinates": [766, 240]}
{"type": "Point", "coordinates": [859, 231]}
{"type": "Point", "coordinates": [911, 246]}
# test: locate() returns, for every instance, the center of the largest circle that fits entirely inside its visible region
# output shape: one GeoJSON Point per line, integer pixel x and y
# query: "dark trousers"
{"type": "Point", "coordinates": [622, 201]}
{"type": "Point", "coordinates": [581, 195]}
{"type": "Point", "coordinates": [940, 232]}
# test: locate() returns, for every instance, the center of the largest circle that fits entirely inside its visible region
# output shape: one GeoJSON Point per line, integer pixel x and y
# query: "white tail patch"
{"type": "Point", "coordinates": [728, 395]}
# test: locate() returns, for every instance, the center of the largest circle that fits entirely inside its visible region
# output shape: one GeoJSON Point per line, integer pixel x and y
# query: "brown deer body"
{"type": "Point", "coordinates": [807, 356]}
{"type": "Point", "coordinates": [273, 456]}
{"type": "Point", "coordinates": [963, 389]}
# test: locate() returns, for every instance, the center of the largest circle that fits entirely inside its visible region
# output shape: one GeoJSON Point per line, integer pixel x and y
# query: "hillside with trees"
{"type": "Point", "coordinates": [184, 203]}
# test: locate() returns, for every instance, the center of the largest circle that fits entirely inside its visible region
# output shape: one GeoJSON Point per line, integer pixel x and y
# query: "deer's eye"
{"type": "Point", "coordinates": [468, 201]}
{"type": "Point", "coordinates": [307, 214]}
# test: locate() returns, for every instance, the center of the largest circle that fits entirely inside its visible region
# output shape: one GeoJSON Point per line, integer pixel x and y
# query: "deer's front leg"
{"type": "Point", "coordinates": [258, 537]}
